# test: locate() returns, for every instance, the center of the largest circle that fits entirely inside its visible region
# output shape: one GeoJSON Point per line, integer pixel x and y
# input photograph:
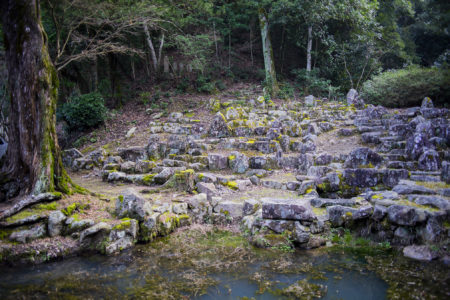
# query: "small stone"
{"type": "Point", "coordinates": [423, 253]}
{"type": "Point", "coordinates": [55, 223]}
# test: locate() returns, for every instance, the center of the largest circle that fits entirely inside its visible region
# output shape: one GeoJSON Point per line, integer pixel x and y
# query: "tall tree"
{"type": "Point", "coordinates": [33, 157]}
{"type": "Point", "coordinates": [271, 78]}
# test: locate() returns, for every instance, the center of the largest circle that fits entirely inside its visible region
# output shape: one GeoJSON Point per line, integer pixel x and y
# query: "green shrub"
{"type": "Point", "coordinates": [83, 111]}
{"type": "Point", "coordinates": [310, 83]}
{"type": "Point", "coordinates": [204, 85]}
{"type": "Point", "coordinates": [407, 87]}
{"type": "Point", "coordinates": [286, 91]}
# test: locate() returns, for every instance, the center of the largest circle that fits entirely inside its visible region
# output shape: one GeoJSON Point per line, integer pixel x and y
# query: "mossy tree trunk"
{"type": "Point", "coordinates": [271, 78]}
{"type": "Point", "coordinates": [33, 155]}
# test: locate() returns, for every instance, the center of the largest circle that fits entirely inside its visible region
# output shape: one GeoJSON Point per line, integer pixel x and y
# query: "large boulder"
{"type": "Point", "coordinates": [362, 157]}
{"type": "Point", "coordinates": [352, 96]}
{"type": "Point", "coordinates": [287, 209]}
{"type": "Point", "coordinates": [219, 127]}
{"type": "Point", "coordinates": [130, 204]}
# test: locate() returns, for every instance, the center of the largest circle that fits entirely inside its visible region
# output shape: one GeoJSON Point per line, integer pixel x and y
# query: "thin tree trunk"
{"type": "Point", "coordinates": [229, 49]}
{"type": "Point", "coordinates": [315, 54]}
{"type": "Point", "coordinates": [215, 40]}
{"type": "Point", "coordinates": [161, 45]}
{"type": "Point", "coordinates": [308, 50]}
{"type": "Point", "coordinates": [33, 155]}
{"type": "Point", "coordinates": [133, 71]}
{"type": "Point", "coordinates": [251, 44]}
{"type": "Point", "coordinates": [281, 49]}
{"type": "Point", "coordinates": [150, 46]}
{"type": "Point", "coordinates": [269, 65]}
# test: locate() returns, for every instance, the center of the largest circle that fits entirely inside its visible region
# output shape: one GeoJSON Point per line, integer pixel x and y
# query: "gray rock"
{"type": "Point", "coordinates": [309, 100]}
{"type": "Point", "coordinates": [422, 253]}
{"type": "Point", "coordinates": [163, 176]}
{"type": "Point", "coordinates": [292, 185]}
{"type": "Point", "coordinates": [362, 157]}
{"type": "Point", "coordinates": [122, 236]}
{"type": "Point", "coordinates": [26, 236]}
{"type": "Point", "coordinates": [93, 230]}
{"type": "Point", "coordinates": [255, 180]}
{"type": "Point", "coordinates": [429, 161]}
{"type": "Point", "coordinates": [55, 223]}
{"type": "Point", "coordinates": [405, 215]}
{"type": "Point", "coordinates": [323, 159]}
{"type": "Point", "coordinates": [403, 236]}
{"type": "Point", "coordinates": [391, 177]}
{"type": "Point", "coordinates": [379, 212]}
{"type": "Point", "coordinates": [217, 161]}
{"type": "Point", "coordinates": [435, 201]}
{"type": "Point", "coordinates": [416, 145]}
{"type": "Point", "coordinates": [238, 162]}
{"type": "Point", "coordinates": [128, 167]}
{"type": "Point", "coordinates": [340, 214]}
{"type": "Point", "coordinates": [180, 208]}
{"type": "Point", "coordinates": [251, 206]}
{"type": "Point", "coordinates": [219, 127]}
{"type": "Point", "coordinates": [427, 103]}
{"type": "Point", "coordinates": [407, 187]}
{"type": "Point", "coordinates": [75, 225]}
{"type": "Point", "coordinates": [69, 156]}
{"type": "Point", "coordinates": [361, 177]}
{"type": "Point", "coordinates": [130, 204]}
{"type": "Point", "coordinates": [132, 153]}
{"type": "Point", "coordinates": [301, 233]}
{"type": "Point", "coordinates": [322, 202]}
{"type": "Point", "coordinates": [445, 174]}
{"type": "Point", "coordinates": [208, 189]}
{"type": "Point", "coordinates": [229, 209]}
{"type": "Point", "coordinates": [352, 96]}
{"type": "Point", "coordinates": [257, 162]}
{"type": "Point", "coordinates": [287, 209]}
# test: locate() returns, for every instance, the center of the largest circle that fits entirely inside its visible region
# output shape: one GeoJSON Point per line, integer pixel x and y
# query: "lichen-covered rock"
{"type": "Point", "coordinates": [184, 180]}
{"type": "Point", "coordinates": [122, 236]}
{"type": "Point", "coordinates": [219, 127]}
{"type": "Point", "coordinates": [163, 176]}
{"type": "Point", "coordinates": [238, 162]}
{"type": "Point", "coordinates": [391, 177]}
{"type": "Point", "coordinates": [128, 167]}
{"type": "Point", "coordinates": [352, 95]}
{"type": "Point", "coordinates": [427, 103]}
{"type": "Point", "coordinates": [251, 206]}
{"type": "Point", "coordinates": [73, 224]}
{"type": "Point", "coordinates": [429, 160]}
{"type": "Point", "coordinates": [301, 233]}
{"type": "Point", "coordinates": [144, 166]}
{"type": "Point", "coordinates": [230, 209]}
{"type": "Point", "coordinates": [323, 159]}
{"type": "Point", "coordinates": [287, 209]}
{"type": "Point", "coordinates": [69, 156]}
{"type": "Point", "coordinates": [130, 204]}
{"type": "Point", "coordinates": [55, 223]}
{"type": "Point", "coordinates": [28, 235]}
{"type": "Point", "coordinates": [323, 202]}
{"type": "Point", "coordinates": [362, 157]}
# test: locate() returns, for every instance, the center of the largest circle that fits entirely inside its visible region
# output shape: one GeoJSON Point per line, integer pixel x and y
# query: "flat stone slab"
{"type": "Point", "coordinates": [323, 202]}
{"type": "Point", "coordinates": [287, 209]}
{"type": "Point", "coordinates": [422, 253]}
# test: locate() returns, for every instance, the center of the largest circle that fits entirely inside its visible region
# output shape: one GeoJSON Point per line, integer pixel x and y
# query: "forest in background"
{"type": "Point", "coordinates": [394, 52]}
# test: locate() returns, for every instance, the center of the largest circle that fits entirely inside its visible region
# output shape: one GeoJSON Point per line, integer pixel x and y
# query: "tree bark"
{"type": "Point", "coordinates": [150, 46]}
{"type": "Point", "coordinates": [269, 65]}
{"type": "Point", "coordinates": [33, 155]}
{"type": "Point", "coordinates": [308, 50]}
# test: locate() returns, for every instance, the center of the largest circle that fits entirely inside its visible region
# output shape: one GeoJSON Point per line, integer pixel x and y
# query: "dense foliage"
{"type": "Point", "coordinates": [83, 111]}
{"type": "Point", "coordinates": [407, 87]}
{"type": "Point", "coordinates": [122, 48]}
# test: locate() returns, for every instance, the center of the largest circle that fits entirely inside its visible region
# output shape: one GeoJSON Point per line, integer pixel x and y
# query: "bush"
{"type": "Point", "coordinates": [204, 85]}
{"type": "Point", "coordinates": [83, 111]}
{"type": "Point", "coordinates": [407, 87]}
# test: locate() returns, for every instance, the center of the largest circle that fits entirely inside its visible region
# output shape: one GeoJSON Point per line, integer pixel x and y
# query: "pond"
{"type": "Point", "coordinates": [207, 263]}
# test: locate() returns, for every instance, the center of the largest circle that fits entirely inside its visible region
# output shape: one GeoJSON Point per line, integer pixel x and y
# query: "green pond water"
{"type": "Point", "coordinates": [217, 264]}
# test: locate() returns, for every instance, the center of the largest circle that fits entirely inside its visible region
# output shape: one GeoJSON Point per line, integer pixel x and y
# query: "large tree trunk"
{"type": "Point", "coordinates": [271, 79]}
{"type": "Point", "coordinates": [33, 155]}
{"type": "Point", "coordinates": [308, 50]}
